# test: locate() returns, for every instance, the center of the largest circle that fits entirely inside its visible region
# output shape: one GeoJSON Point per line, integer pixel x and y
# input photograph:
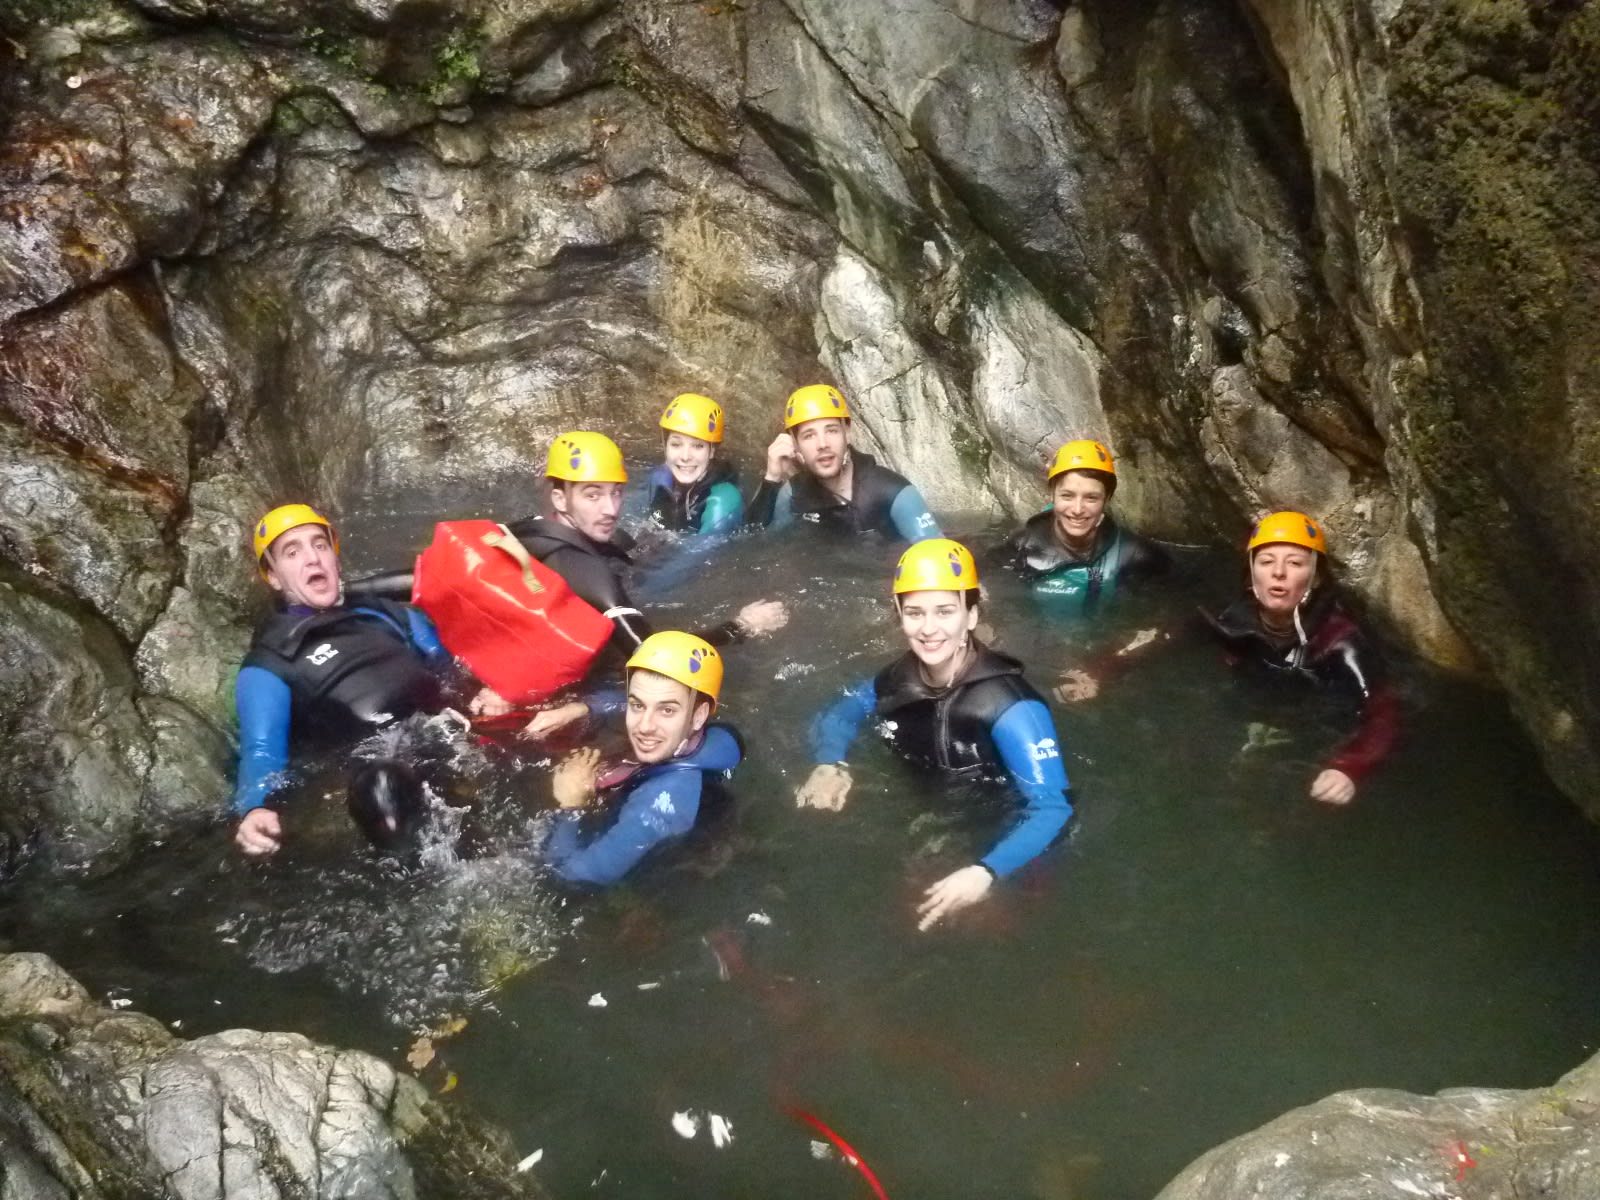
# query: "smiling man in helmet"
{"type": "Point", "coordinates": [321, 669]}
{"type": "Point", "coordinates": [833, 485]}
{"type": "Point", "coordinates": [671, 778]}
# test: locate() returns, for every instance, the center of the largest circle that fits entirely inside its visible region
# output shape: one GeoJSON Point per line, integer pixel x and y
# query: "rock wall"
{"type": "Point", "coordinates": [1323, 254]}
{"type": "Point", "coordinates": [108, 1105]}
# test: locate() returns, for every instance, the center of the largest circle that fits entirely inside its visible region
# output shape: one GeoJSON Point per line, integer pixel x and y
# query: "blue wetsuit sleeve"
{"type": "Point", "coordinates": [1026, 738]}
{"type": "Point", "coordinates": [836, 726]}
{"type": "Point", "coordinates": [264, 703]}
{"type": "Point", "coordinates": [656, 809]}
{"type": "Point", "coordinates": [783, 509]}
{"type": "Point", "coordinates": [911, 517]}
{"type": "Point", "coordinates": [607, 702]}
{"type": "Point", "coordinates": [724, 511]}
{"type": "Point", "coordinates": [425, 637]}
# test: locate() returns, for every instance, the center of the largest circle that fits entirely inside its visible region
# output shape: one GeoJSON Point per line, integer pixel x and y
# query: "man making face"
{"type": "Point", "coordinates": [833, 485]}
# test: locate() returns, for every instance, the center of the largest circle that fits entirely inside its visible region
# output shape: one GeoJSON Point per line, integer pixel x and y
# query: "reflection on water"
{"type": "Point", "coordinates": [1208, 949]}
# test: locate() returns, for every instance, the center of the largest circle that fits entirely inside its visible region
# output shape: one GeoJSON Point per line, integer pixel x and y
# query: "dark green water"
{"type": "Point", "coordinates": [1209, 949]}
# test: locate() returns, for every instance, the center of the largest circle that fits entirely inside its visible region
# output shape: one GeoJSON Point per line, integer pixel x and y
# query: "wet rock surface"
{"type": "Point", "coordinates": [100, 1103]}
{"type": "Point", "coordinates": [1463, 1142]}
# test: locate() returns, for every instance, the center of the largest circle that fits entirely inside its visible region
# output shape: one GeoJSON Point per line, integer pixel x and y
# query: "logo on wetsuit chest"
{"type": "Point", "coordinates": [321, 654]}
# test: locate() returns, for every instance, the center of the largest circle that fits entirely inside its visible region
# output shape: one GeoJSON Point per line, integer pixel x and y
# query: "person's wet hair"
{"type": "Point", "coordinates": [386, 801]}
{"type": "Point", "coordinates": [1105, 477]}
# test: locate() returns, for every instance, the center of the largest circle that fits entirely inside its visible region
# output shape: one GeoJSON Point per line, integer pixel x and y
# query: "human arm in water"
{"type": "Point", "coordinates": [605, 702]}
{"type": "Point", "coordinates": [910, 516]}
{"type": "Point", "coordinates": [833, 732]}
{"type": "Point", "coordinates": [1026, 740]}
{"type": "Point", "coordinates": [264, 703]}
{"type": "Point", "coordinates": [662, 806]}
{"type": "Point", "coordinates": [1377, 721]}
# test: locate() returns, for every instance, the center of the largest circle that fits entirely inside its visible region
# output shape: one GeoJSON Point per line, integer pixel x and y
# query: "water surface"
{"type": "Point", "coordinates": [1207, 950]}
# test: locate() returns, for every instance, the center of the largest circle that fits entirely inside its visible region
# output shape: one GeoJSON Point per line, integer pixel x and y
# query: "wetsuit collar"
{"type": "Point", "coordinates": [1240, 621]}
{"type": "Point", "coordinates": [559, 531]}
{"type": "Point", "coordinates": [714, 748]}
{"type": "Point", "coordinates": [815, 494]}
{"type": "Point", "coordinates": [905, 682]}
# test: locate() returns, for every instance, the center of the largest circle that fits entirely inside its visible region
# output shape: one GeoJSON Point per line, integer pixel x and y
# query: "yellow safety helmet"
{"type": "Point", "coordinates": [278, 522]}
{"type": "Point", "coordinates": [585, 458]}
{"type": "Point", "coordinates": [813, 402]}
{"type": "Point", "coordinates": [1083, 455]}
{"type": "Point", "coordinates": [694, 415]}
{"type": "Point", "coordinates": [1295, 528]}
{"type": "Point", "coordinates": [692, 661]}
{"type": "Point", "coordinates": [935, 565]}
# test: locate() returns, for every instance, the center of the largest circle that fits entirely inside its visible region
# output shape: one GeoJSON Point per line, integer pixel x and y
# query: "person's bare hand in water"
{"type": "Point", "coordinates": [826, 787]}
{"type": "Point", "coordinates": [489, 703]}
{"type": "Point", "coordinates": [1076, 685]}
{"type": "Point", "coordinates": [260, 833]}
{"type": "Point", "coordinates": [1333, 787]}
{"type": "Point", "coordinates": [547, 720]}
{"type": "Point", "coordinates": [575, 776]}
{"type": "Point", "coordinates": [958, 890]}
{"type": "Point", "coordinates": [763, 616]}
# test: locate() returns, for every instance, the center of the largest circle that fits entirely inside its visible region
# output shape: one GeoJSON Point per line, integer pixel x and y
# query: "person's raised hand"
{"type": "Point", "coordinates": [574, 778]}
{"type": "Point", "coordinates": [826, 787]}
{"type": "Point", "coordinates": [763, 616]}
{"type": "Point", "coordinates": [951, 894]}
{"type": "Point", "coordinates": [780, 458]}
{"type": "Point", "coordinates": [489, 703]}
{"type": "Point", "coordinates": [547, 720]}
{"type": "Point", "coordinates": [1333, 787]}
{"type": "Point", "coordinates": [1076, 685]}
{"type": "Point", "coordinates": [259, 833]}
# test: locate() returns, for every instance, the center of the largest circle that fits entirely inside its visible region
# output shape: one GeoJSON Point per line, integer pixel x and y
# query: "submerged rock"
{"type": "Point", "coordinates": [1464, 1142]}
{"type": "Point", "coordinates": [101, 1103]}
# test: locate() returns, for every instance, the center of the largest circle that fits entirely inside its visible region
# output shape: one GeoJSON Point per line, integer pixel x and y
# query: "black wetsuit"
{"type": "Point", "coordinates": [681, 509]}
{"type": "Point", "coordinates": [321, 676]}
{"type": "Point", "coordinates": [881, 501]}
{"type": "Point", "coordinates": [594, 571]}
{"type": "Point", "coordinates": [1328, 649]}
{"type": "Point", "coordinates": [1118, 556]}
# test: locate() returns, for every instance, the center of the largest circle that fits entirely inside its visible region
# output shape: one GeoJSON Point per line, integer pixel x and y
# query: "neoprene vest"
{"type": "Point", "coordinates": [1333, 649]}
{"type": "Point", "coordinates": [872, 494]}
{"type": "Point", "coordinates": [715, 758]}
{"type": "Point", "coordinates": [348, 669]}
{"type": "Point", "coordinates": [950, 729]}
{"type": "Point", "coordinates": [1050, 569]}
{"type": "Point", "coordinates": [682, 508]}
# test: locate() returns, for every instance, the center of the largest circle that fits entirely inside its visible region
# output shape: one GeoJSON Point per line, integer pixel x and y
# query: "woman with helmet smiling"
{"type": "Point", "coordinates": [1075, 550]}
{"type": "Point", "coordinates": [694, 490]}
{"type": "Point", "coordinates": [952, 704]}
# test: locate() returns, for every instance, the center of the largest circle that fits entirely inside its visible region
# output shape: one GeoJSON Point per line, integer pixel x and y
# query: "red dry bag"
{"type": "Point", "coordinates": [510, 618]}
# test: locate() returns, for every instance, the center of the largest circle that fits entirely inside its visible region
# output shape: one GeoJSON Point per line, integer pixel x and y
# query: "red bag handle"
{"type": "Point", "coordinates": [501, 538]}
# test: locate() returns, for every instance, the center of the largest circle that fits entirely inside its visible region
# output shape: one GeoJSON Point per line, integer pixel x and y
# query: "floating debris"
{"type": "Point", "coordinates": [685, 1124]}
{"type": "Point", "coordinates": [758, 918]}
{"type": "Point", "coordinates": [721, 1131]}
{"type": "Point", "coordinates": [597, 1001]}
{"type": "Point", "coordinates": [531, 1161]}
